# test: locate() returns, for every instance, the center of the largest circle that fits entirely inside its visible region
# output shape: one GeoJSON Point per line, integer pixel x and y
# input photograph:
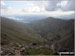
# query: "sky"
{"type": "Point", "coordinates": [48, 7]}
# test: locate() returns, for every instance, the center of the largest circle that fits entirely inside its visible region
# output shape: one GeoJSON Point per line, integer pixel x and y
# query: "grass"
{"type": "Point", "coordinates": [39, 52]}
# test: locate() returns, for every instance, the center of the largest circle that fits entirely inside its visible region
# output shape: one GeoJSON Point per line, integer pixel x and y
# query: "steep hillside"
{"type": "Point", "coordinates": [12, 31]}
{"type": "Point", "coordinates": [47, 36]}
{"type": "Point", "coordinates": [56, 31]}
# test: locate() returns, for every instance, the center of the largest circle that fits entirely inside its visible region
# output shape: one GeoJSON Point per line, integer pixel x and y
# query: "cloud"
{"type": "Point", "coordinates": [29, 6]}
{"type": "Point", "coordinates": [35, 6]}
{"type": "Point", "coordinates": [9, 10]}
{"type": "Point", "coordinates": [70, 6]}
{"type": "Point", "coordinates": [3, 5]}
{"type": "Point", "coordinates": [38, 7]}
{"type": "Point", "coordinates": [65, 5]}
{"type": "Point", "coordinates": [52, 5]}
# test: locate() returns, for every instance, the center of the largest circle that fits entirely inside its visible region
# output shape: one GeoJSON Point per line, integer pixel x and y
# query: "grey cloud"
{"type": "Point", "coordinates": [70, 6]}
{"type": "Point", "coordinates": [52, 5]}
{"type": "Point", "coordinates": [3, 7]}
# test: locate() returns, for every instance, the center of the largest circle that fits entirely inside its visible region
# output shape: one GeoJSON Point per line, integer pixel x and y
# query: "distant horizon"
{"type": "Point", "coordinates": [71, 16]}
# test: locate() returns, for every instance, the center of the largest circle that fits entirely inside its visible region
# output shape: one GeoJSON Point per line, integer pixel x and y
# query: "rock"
{"type": "Point", "coordinates": [34, 44]}
{"type": "Point", "coordinates": [53, 47]}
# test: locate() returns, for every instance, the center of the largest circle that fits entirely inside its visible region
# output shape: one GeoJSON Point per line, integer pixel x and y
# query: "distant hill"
{"type": "Point", "coordinates": [56, 30]}
{"type": "Point", "coordinates": [26, 18]}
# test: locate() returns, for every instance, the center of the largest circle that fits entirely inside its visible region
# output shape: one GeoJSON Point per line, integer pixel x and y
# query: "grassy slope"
{"type": "Point", "coordinates": [12, 31]}
{"type": "Point", "coordinates": [50, 29]}
{"type": "Point", "coordinates": [56, 31]}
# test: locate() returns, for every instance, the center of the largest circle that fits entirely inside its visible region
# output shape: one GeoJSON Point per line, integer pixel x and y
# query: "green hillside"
{"type": "Point", "coordinates": [13, 31]}
{"type": "Point", "coordinates": [37, 37]}
{"type": "Point", "coordinates": [56, 30]}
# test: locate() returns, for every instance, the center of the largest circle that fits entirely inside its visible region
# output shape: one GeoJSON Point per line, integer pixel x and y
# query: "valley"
{"type": "Point", "coordinates": [41, 37]}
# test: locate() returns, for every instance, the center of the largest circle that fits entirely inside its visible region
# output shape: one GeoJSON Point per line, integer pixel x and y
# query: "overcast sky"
{"type": "Point", "coordinates": [50, 7]}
